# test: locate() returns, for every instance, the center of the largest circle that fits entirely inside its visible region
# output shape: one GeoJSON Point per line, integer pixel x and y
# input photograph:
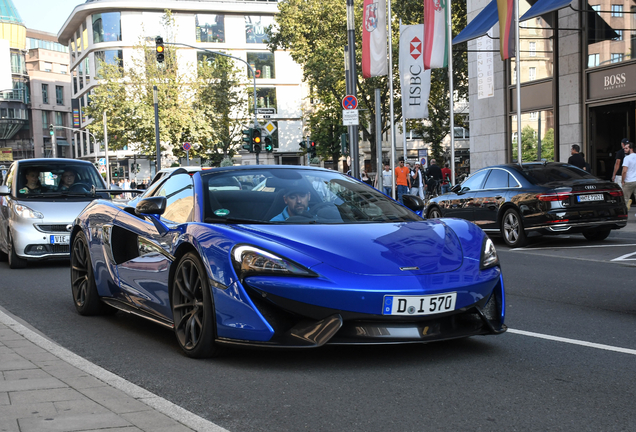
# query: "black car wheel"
{"type": "Point", "coordinates": [15, 262]}
{"type": "Point", "coordinates": [83, 285]}
{"type": "Point", "coordinates": [597, 234]}
{"type": "Point", "coordinates": [193, 309]}
{"type": "Point", "coordinates": [512, 229]}
{"type": "Point", "coordinates": [434, 213]}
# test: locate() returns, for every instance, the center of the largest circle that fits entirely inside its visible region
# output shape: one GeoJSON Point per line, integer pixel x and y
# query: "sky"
{"type": "Point", "coordinates": [45, 15]}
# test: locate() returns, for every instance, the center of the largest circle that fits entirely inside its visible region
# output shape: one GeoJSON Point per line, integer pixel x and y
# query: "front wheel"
{"type": "Point", "coordinates": [83, 284]}
{"type": "Point", "coordinates": [15, 262]}
{"type": "Point", "coordinates": [597, 235]}
{"type": "Point", "coordinates": [193, 308]}
{"type": "Point", "coordinates": [512, 229]}
{"type": "Point", "coordinates": [434, 213]}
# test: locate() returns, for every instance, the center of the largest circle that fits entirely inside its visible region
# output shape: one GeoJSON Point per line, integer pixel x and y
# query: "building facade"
{"type": "Point", "coordinates": [578, 86]}
{"type": "Point", "coordinates": [110, 29]}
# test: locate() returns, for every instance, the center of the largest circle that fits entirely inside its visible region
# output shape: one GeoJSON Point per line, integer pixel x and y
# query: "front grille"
{"type": "Point", "coordinates": [60, 249]}
{"type": "Point", "coordinates": [52, 228]}
{"type": "Point", "coordinates": [46, 249]}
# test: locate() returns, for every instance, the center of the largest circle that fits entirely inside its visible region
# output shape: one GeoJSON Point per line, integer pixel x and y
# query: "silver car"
{"type": "Point", "coordinates": [39, 200]}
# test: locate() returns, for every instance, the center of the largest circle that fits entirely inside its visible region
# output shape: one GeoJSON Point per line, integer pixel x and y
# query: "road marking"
{"type": "Point", "coordinates": [571, 247]}
{"type": "Point", "coordinates": [626, 257]}
{"type": "Point", "coordinates": [160, 404]}
{"type": "Point", "coordinates": [574, 341]}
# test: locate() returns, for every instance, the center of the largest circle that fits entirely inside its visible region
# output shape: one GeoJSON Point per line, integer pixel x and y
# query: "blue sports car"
{"type": "Point", "coordinates": [282, 256]}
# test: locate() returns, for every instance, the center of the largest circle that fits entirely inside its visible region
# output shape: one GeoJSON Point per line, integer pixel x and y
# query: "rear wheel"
{"type": "Point", "coordinates": [512, 229]}
{"type": "Point", "coordinates": [193, 309]}
{"type": "Point", "coordinates": [597, 234]}
{"type": "Point", "coordinates": [434, 213]}
{"type": "Point", "coordinates": [15, 262]}
{"type": "Point", "coordinates": [83, 284]}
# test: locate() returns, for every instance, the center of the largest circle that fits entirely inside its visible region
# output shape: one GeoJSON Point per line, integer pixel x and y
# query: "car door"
{"type": "Point", "coordinates": [144, 273]}
{"type": "Point", "coordinates": [461, 204]}
{"type": "Point", "coordinates": [5, 208]}
{"type": "Point", "coordinates": [490, 198]}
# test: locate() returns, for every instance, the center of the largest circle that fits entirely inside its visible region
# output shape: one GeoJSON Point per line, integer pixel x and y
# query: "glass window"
{"type": "Point", "coordinates": [255, 26]}
{"type": "Point", "coordinates": [11, 113]}
{"type": "Point", "coordinates": [475, 181]}
{"type": "Point", "coordinates": [617, 10]}
{"type": "Point", "coordinates": [537, 48]}
{"type": "Point", "coordinates": [179, 193]}
{"type": "Point", "coordinates": [605, 26]}
{"type": "Point", "coordinates": [111, 57]}
{"type": "Point", "coordinates": [593, 60]}
{"type": "Point", "coordinates": [596, 7]}
{"type": "Point", "coordinates": [50, 176]}
{"type": "Point", "coordinates": [59, 95]}
{"type": "Point", "coordinates": [106, 27]}
{"type": "Point", "coordinates": [619, 35]}
{"type": "Point", "coordinates": [532, 47]}
{"type": "Point", "coordinates": [265, 98]}
{"type": "Point", "coordinates": [262, 63]}
{"type": "Point", "coordinates": [48, 67]}
{"type": "Point", "coordinates": [45, 93]}
{"type": "Point", "coordinates": [45, 119]}
{"type": "Point", "coordinates": [541, 175]}
{"type": "Point", "coordinates": [3, 113]}
{"type": "Point", "coordinates": [210, 27]}
{"type": "Point", "coordinates": [537, 136]}
{"type": "Point", "coordinates": [532, 74]}
{"type": "Point", "coordinates": [59, 119]}
{"type": "Point", "coordinates": [498, 179]}
{"type": "Point", "coordinates": [616, 57]}
{"type": "Point", "coordinates": [63, 69]}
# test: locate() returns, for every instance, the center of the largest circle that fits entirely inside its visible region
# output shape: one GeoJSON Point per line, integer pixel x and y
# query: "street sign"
{"type": "Point", "coordinates": [266, 110]}
{"type": "Point", "coordinates": [350, 117]}
{"type": "Point", "coordinates": [350, 102]}
{"type": "Point", "coordinates": [187, 146]}
{"type": "Point", "coordinates": [270, 127]}
{"type": "Point", "coordinates": [102, 161]}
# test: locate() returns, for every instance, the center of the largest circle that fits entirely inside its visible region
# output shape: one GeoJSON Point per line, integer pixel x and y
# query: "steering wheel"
{"type": "Point", "coordinates": [79, 187]}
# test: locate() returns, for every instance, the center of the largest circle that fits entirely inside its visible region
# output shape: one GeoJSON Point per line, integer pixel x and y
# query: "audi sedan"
{"type": "Point", "coordinates": [39, 199]}
{"type": "Point", "coordinates": [535, 198]}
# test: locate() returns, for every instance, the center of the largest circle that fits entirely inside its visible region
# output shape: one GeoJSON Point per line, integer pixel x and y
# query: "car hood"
{"type": "Point", "coordinates": [56, 211]}
{"type": "Point", "coordinates": [413, 248]}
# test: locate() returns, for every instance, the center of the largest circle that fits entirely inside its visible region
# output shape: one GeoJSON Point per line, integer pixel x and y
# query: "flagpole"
{"type": "Point", "coordinates": [390, 19]}
{"type": "Point", "coordinates": [449, 43]}
{"type": "Point", "coordinates": [518, 76]}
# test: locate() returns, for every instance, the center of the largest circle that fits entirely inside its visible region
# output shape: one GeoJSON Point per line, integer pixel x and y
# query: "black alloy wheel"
{"type": "Point", "coordinates": [434, 213]}
{"type": "Point", "coordinates": [3, 256]}
{"type": "Point", "coordinates": [83, 284]}
{"type": "Point", "coordinates": [512, 229]}
{"type": "Point", "coordinates": [597, 234]}
{"type": "Point", "coordinates": [15, 262]}
{"type": "Point", "coordinates": [193, 308]}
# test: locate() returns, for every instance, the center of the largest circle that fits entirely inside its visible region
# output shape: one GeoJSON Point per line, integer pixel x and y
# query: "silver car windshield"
{"type": "Point", "coordinates": [52, 180]}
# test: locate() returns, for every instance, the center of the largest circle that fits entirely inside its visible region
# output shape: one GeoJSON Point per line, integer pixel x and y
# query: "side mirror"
{"type": "Point", "coordinates": [456, 188]}
{"type": "Point", "coordinates": [4, 190]}
{"type": "Point", "coordinates": [151, 205]}
{"type": "Point", "coordinates": [413, 202]}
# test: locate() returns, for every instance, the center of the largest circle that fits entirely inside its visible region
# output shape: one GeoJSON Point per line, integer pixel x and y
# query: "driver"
{"type": "Point", "coordinates": [297, 202]}
{"type": "Point", "coordinates": [68, 178]}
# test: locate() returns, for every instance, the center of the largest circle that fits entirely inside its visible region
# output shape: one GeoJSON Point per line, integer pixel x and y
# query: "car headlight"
{"type": "Point", "coordinates": [249, 260]}
{"type": "Point", "coordinates": [489, 256]}
{"type": "Point", "coordinates": [25, 212]}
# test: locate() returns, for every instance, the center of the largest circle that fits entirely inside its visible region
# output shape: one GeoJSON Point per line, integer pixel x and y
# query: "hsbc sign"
{"type": "Point", "coordinates": [415, 81]}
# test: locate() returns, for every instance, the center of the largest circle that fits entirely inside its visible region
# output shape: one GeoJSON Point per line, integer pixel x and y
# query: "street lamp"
{"type": "Point", "coordinates": [82, 130]}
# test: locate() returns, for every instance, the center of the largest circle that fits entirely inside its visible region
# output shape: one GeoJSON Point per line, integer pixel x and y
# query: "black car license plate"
{"type": "Point", "coordinates": [591, 197]}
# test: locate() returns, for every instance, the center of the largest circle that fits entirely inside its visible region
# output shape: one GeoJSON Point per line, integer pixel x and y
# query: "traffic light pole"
{"type": "Point", "coordinates": [353, 130]}
{"type": "Point", "coordinates": [157, 141]}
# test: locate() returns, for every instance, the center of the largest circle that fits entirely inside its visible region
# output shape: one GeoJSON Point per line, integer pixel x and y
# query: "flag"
{"type": "Point", "coordinates": [507, 28]}
{"type": "Point", "coordinates": [374, 52]}
{"type": "Point", "coordinates": [414, 79]}
{"type": "Point", "coordinates": [435, 38]}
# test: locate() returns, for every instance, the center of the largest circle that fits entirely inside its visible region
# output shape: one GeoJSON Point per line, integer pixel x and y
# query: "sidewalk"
{"type": "Point", "coordinates": [44, 387]}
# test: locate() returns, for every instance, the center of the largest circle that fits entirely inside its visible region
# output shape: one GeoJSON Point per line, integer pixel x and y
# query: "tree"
{"type": "Point", "coordinates": [529, 145]}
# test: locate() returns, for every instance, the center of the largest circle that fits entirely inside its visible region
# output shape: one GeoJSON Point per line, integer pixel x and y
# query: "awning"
{"type": "Point", "coordinates": [62, 142]}
{"type": "Point", "coordinates": [480, 25]}
{"type": "Point", "coordinates": [543, 7]}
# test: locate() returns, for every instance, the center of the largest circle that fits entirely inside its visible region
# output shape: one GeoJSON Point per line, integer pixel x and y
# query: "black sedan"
{"type": "Point", "coordinates": [535, 198]}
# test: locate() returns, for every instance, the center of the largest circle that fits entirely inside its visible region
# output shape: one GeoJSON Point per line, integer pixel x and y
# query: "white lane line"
{"type": "Point", "coordinates": [626, 257]}
{"type": "Point", "coordinates": [571, 247]}
{"type": "Point", "coordinates": [160, 404]}
{"type": "Point", "coordinates": [574, 341]}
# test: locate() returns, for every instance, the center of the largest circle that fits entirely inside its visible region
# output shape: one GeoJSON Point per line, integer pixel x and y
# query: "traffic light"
{"type": "Point", "coordinates": [269, 147]}
{"type": "Point", "coordinates": [302, 145]}
{"type": "Point", "coordinates": [160, 49]}
{"type": "Point", "coordinates": [256, 140]}
{"type": "Point", "coordinates": [247, 139]}
{"type": "Point", "coordinates": [51, 130]}
{"type": "Point", "coordinates": [312, 148]}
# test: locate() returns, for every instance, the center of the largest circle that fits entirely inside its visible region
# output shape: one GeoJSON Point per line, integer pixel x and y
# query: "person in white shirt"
{"type": "Point", "coordinates": [387, 180]}
{"type": "Point", "coordinates": [628, 178]}
{"type": "Point", "coordinates": [417, 183]}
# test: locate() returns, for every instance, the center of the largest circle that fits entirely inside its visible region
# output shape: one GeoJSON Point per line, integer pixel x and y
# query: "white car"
{"type": "Point", "coordinates": [39, 200]}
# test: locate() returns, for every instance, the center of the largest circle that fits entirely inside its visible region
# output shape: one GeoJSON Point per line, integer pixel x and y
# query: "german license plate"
{"type": "Point", "coordinates": [419, 305]}
{"type": "Point", "coordinates": [60, 239]}
{"type": "Point", "coordinates": [592, 197]}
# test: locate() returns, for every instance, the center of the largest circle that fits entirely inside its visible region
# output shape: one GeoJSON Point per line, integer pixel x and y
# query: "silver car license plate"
{"type": "Point", "coordinates": [60, 239]}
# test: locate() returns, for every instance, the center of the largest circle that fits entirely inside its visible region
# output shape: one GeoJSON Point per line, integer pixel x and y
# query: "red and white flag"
{"type": "Point", "coordinates": [374, 52]}
{"type": "Point", "coordinates": [435, 38]}
{"type": "Point", "coordinates": [415, 81]}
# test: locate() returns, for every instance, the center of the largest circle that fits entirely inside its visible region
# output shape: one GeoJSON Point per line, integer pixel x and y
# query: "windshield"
{"type": "Point", "coordinates": [56, 179]}
{"type": "Point", "coordinates": [296, 195]}
{"type": "Point", "coordinates": [544, 174]}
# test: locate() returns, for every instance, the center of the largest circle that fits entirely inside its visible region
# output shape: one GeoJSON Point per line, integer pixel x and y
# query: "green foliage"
{"type": "Point", "coordinates": [529, 145]}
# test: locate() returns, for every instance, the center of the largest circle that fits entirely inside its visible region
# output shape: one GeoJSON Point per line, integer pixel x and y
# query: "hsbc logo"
{"type": "Point", "coordinates": [415, 48]}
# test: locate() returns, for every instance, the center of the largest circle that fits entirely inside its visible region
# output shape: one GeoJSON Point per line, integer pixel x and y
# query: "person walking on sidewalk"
{"type": "Point", "coordinates": [618, 165]}
{"type": "Point", "coordinates": [402, 179]}
{"type": "Point", "coordinates": [629, 173]}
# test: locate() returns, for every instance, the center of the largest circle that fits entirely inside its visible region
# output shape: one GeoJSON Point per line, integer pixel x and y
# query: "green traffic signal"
{"type": "Point", "coordinates": [269, 147]}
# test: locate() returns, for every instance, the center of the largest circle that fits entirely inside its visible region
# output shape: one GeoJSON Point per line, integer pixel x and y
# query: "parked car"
{"type": "Point", "coordinates": [221, 266]}
{"type": "Point", "coordinates": [37, 207]}
{"type": "Point", "coordinates": [536, 198]}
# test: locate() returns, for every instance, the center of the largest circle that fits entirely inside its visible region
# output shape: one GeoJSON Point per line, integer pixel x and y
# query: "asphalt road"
{"type": "Point", "coordinates": [561, 287]}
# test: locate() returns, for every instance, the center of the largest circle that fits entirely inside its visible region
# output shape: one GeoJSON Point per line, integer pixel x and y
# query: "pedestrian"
{"type": "Point", "coordinates": [417, 182]}
{"type": "Point", "coordinates": [434, 173]}
{"type": "Point", "coordinates": [402, 179]}
{"type": "Point", "coordinates": [387, 180]}
{"type": "Point", "coordinates": [446, 176]}
{"type": "Point", "coordinates": [628, 177]}
{"type": "Point", "coordinates": [618, 165]}
{"type": "Point", "coordinates": [576, 159]}
{"type": "Point", "coordinates": [365, 178]}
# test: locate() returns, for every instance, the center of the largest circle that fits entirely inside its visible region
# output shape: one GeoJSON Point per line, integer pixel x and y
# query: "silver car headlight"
{"type": "Point", "coordinates": [489, 256]}
{"type": "Point", "coordinates": [27, 213]}
{"type": "Point", "coordinates": [249, 260]}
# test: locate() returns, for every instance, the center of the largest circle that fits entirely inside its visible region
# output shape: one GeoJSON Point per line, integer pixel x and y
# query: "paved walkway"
{"type": "Point", "coordinates": [44, 387]}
